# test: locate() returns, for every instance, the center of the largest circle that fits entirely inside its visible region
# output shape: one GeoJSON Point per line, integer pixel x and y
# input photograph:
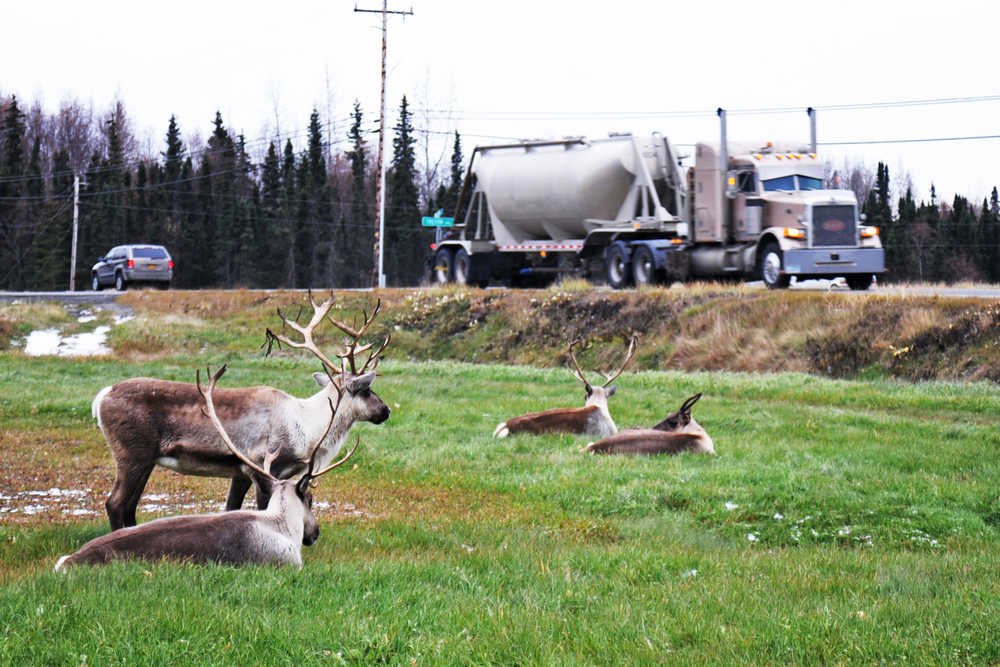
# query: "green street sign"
{"type": "Point", "coordinates": [429, 221]}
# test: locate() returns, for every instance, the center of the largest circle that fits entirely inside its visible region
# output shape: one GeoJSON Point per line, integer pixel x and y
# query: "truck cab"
{"type": "Point", "coordinates": [770, 208]}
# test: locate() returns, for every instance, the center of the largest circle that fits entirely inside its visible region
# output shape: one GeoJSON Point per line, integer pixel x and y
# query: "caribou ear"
{"type": "Point", "coordinates": [322, 379]}
{"type": "Point", "coordinates": [611, 390]}
{"type": "Point", "coordinates": [361, 382]}
{"type": "Point", "coordinates": [302, 486]}
{"type": "Point", "coordinates": [590, 390]}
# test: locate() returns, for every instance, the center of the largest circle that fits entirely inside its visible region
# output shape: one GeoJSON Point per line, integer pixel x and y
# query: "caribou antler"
{"type": "Point", "coordinates": [347, 357]}
{"type": "Point", "coordinates": [270, 456]}
{"type": "Point", "coordinates": [578, 373]}
{"type": "Point", "coordinates": [608, 379]}
{"type": "Point", "coordinates": [350, 354]}
{"type": "Point", "coordinates": [210, 405]}
{"type": "Point", "coordinates": [312, 460]}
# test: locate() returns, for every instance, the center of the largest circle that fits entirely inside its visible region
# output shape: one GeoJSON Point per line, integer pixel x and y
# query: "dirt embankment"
{"type": "Point", "coordinates": [701, 328]}
{"type": "Point", "coordinates": [692, 328]}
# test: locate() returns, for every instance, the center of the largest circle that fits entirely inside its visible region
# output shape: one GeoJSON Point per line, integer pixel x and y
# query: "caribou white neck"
{"type": "Point", "coordinates": [317, 410]}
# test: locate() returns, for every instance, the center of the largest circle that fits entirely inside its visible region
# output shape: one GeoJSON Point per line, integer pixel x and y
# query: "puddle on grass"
{"type": "Point", "coordinates": [86, 503]}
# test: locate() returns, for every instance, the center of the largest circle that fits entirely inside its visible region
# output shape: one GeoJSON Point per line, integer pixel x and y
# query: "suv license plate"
{"type": "Point", "coordinates": [152, 267]}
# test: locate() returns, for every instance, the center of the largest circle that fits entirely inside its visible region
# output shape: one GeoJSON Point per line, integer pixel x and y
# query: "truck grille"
{"type": "Point", "coordinates": [833, 225]}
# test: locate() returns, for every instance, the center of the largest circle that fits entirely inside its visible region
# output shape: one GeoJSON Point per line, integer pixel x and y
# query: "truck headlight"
{"type": "Point", "coordinates": [794, 233]}
{"type": "Point", "coordinates": [869, 231]}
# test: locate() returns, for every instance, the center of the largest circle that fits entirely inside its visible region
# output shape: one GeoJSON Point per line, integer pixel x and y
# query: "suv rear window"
{"type": "Point", "coordinates": [149, 253]}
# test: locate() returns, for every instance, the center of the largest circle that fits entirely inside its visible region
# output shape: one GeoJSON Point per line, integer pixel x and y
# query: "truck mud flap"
{"type": "Point", "coordinates": [677, 264]}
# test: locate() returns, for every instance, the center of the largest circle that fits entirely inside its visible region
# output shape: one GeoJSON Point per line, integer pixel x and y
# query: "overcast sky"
{"type": "Point", "coordinates": [515, 69]}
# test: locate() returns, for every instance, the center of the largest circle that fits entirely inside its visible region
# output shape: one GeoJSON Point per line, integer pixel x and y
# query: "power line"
{"type": "Point", "coordinates": [694, 113]}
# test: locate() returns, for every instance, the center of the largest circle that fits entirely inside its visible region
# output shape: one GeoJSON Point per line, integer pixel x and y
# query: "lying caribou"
{"type": "Point", "coordinates": [592, 419]}
{"type": "Point", "coordinates": [149, 422]}
{"type": "Point", "coordinates": [274, 534]}
{"type": "Point", "coordinates": [679, 432]}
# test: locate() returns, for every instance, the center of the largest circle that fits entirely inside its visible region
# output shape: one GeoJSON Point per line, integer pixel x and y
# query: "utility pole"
{"type": "Point", "coordinates": [379, 277]}
{"type": "Point", "coordinates": [76, 221]}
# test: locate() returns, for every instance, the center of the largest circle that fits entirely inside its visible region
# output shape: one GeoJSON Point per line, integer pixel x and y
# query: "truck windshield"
{"type": "Point", "coordinates": [788, 183]}
{"type": "Point", "coordinates": [783, 183]}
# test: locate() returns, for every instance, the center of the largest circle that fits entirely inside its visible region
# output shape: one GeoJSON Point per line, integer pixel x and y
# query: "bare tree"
{"type": "Point", "coordinates": [433, 144]}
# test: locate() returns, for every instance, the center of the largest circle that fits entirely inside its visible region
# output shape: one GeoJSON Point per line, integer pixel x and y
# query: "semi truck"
{"type": "Point", "coordinates": [623, 210]}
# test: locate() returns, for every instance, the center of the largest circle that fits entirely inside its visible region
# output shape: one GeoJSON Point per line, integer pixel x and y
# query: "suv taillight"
{"type": "Point", "coordinates": [170, 264]}
{"type": "Point", "coordinates": [131, 264]}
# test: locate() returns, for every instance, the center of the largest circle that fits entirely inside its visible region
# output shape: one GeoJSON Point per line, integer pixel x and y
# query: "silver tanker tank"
{"type": "Point", "coordinates": [564, 190]}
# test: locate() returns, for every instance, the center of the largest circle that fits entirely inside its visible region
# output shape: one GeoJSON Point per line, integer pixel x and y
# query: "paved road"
{"type": "Point", "coordinates": [108, 296]}
{"type": "Point", "coordinates": [65, 297]}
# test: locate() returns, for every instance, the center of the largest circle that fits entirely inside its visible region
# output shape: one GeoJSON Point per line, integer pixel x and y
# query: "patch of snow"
{"type": "Point", "coordinates": [86, 344]}
{"type": "Point", "coordinates": [86, 316]}
{"type": "Point", "coordinates": [42, 342]}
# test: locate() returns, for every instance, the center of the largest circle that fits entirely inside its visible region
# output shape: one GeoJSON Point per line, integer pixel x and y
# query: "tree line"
{"type": "Point", "coordinates": [935, 241]}
{"type": "Point", "coordinates": [296, 219]}
{"type": "Point", "coordinates": [306, 218]}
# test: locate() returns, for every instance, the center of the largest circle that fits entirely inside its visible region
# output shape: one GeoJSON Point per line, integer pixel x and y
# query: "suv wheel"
{"type": "Point", "coordinates": [95, 283]}
{"type": "Point", "coordinates": [119, 282]}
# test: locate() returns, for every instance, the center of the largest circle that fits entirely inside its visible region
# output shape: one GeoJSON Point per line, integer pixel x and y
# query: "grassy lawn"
{"type": "Point", "coordinates": [841, 521]}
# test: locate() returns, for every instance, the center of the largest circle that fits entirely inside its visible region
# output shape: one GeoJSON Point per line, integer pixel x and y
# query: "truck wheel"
{"type": "Point", "coordinates": [643, 266]}
{"type": "Point", "coordinates": [461, 267]}
{"type": "Point", "coordinates": [442, 272]}
{"type": "Point", "coordinates": [119, 282]}
{"type": "Point", "coordinates": [617, 266]}
{"type": "Point", "coordinates": [770, 267]}
{"type": "Point", "coordinates": [859, 281]}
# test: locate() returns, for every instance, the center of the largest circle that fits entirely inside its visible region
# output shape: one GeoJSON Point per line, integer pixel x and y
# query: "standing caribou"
{"type": "Point", "coordinates": [592, 419]}
{"type": "Point", "coordinates": [679, 432]}
{"type": "Point", "coordinates": [274, 534]}
{"type": "Point", "coordinates": [149, 422]}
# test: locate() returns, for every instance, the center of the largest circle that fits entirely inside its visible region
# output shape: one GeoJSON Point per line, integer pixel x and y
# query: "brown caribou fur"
{"type": "Point", "coordinates": [679, 432]}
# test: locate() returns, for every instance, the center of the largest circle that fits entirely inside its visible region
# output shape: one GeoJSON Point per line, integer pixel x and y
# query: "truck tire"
{"type": "Point", "coordinates": [461, 267]}
{"type": "Point", "coordinates": [643, 266]}
{"type": "Point", "coordinates": [859, 281]}
{"type": "Point", "coordinates": [618, 270]}
{"type": "Point", "coordinates": [771, 265]}
{"type": "Point", "coordinates": [442, 272]}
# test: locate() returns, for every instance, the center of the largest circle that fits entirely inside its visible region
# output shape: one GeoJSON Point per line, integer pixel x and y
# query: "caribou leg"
{"type": "Point", "coordinates": [238, 488]}
{"type": "Point", "coordinates": [124, 498]}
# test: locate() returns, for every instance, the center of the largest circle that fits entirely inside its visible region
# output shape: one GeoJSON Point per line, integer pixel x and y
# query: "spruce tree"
{"type": "Point", "coordinates": [53, 239]}
{"type": "Point", "coordinates": [219, 195]}
{"type": "Point", "coordinates": [406, 241]}
{"type": "Point", "coordinates": [289, 188]}
{"type": "Point", "coordinates": [13, 213]}
{"type": "Point", "coordinates": [271, 238]}
{"type": "Point", "coordinates": [450, 204]}
{"type": "Point", "coordinates": [358, 229]}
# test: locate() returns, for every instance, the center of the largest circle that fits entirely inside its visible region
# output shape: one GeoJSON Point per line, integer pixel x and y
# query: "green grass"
{"type": "Point", "coordinates": [841, 521]}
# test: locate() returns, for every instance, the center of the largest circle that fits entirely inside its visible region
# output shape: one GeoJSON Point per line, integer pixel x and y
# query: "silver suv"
{"type": "Point", "coordinates": [129, 264]}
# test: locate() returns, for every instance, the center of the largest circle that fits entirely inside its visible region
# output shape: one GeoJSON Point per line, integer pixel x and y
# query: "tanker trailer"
{"type": "Point", "coordinates": [541, 208]}
{"type": "Point", "coordinates": [620, 210]}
